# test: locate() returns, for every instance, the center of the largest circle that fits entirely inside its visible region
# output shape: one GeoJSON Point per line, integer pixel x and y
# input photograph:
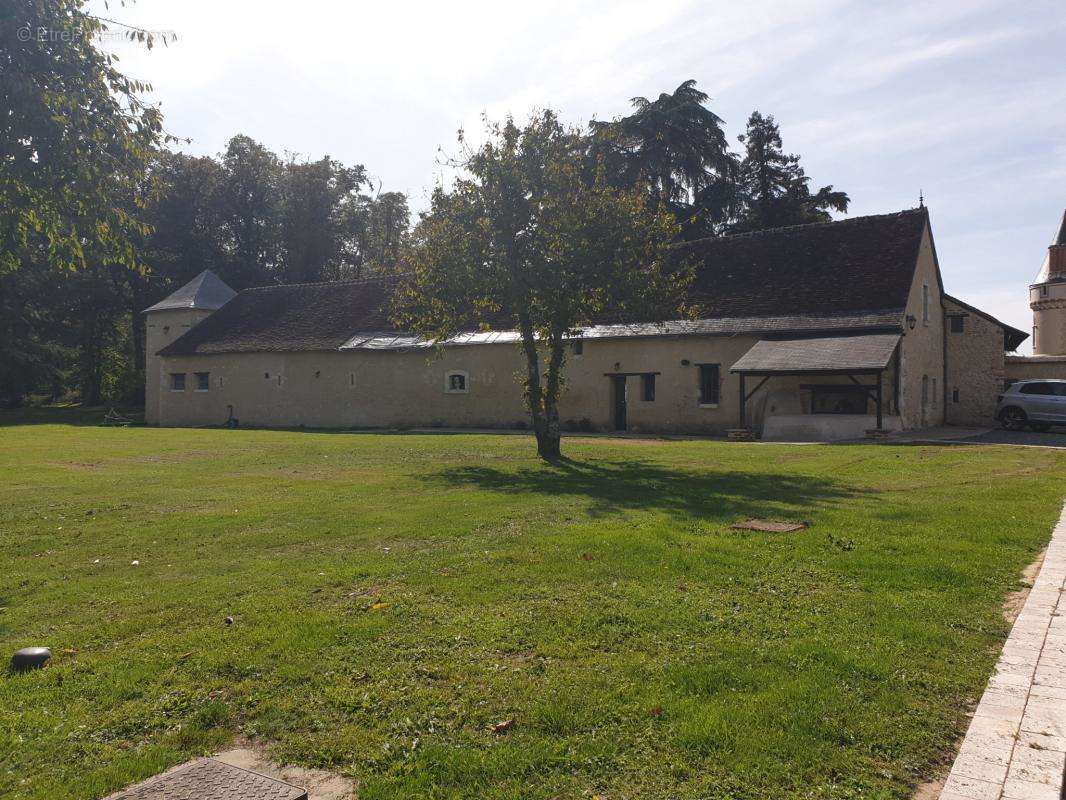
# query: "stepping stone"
{"type": "Point", "coordinates": [208, 779]}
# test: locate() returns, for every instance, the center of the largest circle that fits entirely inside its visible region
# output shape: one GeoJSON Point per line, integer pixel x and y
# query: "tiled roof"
{"type": "Point", "coordinates": [852, 274]}
{"type": "Point", "coordinates": [310, 316]}
{"type": "Point", "coordinates": [863, 263]}
{"type": "Point", "coordinates": [819, 355]}
{"type": "Point", "coordinates": [206, 291]}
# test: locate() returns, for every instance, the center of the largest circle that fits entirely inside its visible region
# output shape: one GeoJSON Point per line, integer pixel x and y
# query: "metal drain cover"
{"type": "Point", "coordinates": [207, 779]}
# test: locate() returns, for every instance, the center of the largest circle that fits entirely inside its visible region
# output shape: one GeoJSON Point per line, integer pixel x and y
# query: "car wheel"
{"type": "Point", "coordinates": [1040, 427]}
{"type": "Point", "coordinates": [1013, 418]}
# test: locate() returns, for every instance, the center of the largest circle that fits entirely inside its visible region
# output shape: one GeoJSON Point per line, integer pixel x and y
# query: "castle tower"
{"type": "Point", "coordinates": [1047, 298]}
{"type": "Point", "coordinates": [170, 318]}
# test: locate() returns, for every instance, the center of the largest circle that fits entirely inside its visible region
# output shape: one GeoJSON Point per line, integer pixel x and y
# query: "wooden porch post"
{"type": "Point", "coordinates": [743, 404]}
{"type": "Point", "coordinates": [880, 411]}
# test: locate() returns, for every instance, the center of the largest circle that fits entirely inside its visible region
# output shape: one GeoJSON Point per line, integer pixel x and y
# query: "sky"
{"type": "Point", "coordinates": [961, 100]}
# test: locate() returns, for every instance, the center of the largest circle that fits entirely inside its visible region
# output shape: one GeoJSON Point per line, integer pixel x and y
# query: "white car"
{"type": "Point", "coordinates": [1036, 404]}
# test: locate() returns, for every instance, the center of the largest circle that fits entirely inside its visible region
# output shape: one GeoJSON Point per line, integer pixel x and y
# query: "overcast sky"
{"type": "Point", "coordinates": [965, 100]}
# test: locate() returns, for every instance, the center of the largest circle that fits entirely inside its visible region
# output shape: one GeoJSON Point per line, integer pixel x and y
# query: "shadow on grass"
{"type": "Point", "coordinates": [67, 415]}
{"type": "Point", "coordinates": [612, 486]}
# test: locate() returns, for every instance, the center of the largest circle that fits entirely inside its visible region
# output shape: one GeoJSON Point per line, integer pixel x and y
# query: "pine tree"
{"type": "Point", "coordinates": [772, 187]}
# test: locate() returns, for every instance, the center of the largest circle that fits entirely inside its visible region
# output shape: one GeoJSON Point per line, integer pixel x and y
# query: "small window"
{"type": "Point", "coordinates": [954, 395]}
{"type": "Point", "coordinates": [1038, 388]}
{"type": "Point", "coordinates": [1043, 290]}
{"type": "Point", "coordinates": [456, 383]}
{"type": "Point", "coordinates": [925, 303]}
{"type": "Point", "coordinates": [577, 347]}
{"type": "Point", "coordinates": [958, 323]}
{"type": "Point", "coordinates": [936, 397]}
{"type": "Point", "coordinates": [1059, 389]}
{"type": "Point", "coordinates": [708, 384]}
{"type": "Point", "coordinates": [177, 381]}
{"type": "Point", "coordinates": [647, 387]}
{"type": "Point", "coordinates": [203, 381]}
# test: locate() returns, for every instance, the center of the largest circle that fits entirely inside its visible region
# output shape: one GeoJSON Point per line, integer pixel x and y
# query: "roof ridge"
{"type": "Point", "coordinates": [806, 226]}
{"type": "Point", "coordinates": [351, 282]}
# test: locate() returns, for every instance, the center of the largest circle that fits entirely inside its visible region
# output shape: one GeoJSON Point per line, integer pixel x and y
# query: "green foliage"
{"type": "Point", "coordinates": [75, 138]}
{"type": "Point", "coordinates": [772, 186]}
{"type": "Point", "coordinates": [527, 240]}
{"type": "Point", "coordinates": [395, 596]}
{"type": "Point", "coordinates": [675, 146]}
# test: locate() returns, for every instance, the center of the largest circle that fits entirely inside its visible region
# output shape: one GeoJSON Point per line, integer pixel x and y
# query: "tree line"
{"type": "Point", "coordinates": [100, 215]}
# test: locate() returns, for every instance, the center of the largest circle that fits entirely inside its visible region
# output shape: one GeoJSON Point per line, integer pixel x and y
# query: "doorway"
{"type": "Point", "coordinates": [618, 386]}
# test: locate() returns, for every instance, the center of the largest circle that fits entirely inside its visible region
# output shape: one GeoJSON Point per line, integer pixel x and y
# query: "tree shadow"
{"type": "Point", "coordinates": [614, 486]}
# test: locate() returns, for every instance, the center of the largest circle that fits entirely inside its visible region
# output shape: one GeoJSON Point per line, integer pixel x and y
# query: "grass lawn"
{"type": "Point", "coordinates": [395, 596]}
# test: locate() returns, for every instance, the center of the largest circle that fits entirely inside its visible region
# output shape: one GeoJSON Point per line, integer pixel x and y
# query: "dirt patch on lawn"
{"type": "Point", "coordinates": [1012, 607]}
{"type": "Point", "coordinates": [319, 783]}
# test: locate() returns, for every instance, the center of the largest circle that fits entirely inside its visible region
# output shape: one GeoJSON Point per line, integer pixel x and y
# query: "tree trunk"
{"type": "Point", "coordinates": [544, 428]}
{"type": "Point", "coordinates": [550, 447]}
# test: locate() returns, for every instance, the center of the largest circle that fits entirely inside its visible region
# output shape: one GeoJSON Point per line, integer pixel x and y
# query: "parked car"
{"type": "Point", "coordinates": [1033, 404]}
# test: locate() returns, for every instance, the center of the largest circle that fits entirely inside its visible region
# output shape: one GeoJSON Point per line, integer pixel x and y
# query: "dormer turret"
{"type": "Point", "coordinates": [170, 318]}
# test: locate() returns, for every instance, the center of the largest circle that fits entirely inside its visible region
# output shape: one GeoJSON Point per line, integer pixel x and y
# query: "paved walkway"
{"type": "Point", "coordinates": [1015, 748]}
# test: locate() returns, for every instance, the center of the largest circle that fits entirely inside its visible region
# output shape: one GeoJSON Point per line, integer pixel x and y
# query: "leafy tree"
{"type": "Point", "coordinates": [524, 240]}
{"type": "Point", "coordinates": [676, 147]}
{"type": "Point", "coordinates": [75, 139]}
{"type": "Point", "coordinates": [387, 223]}
{"type": "Point", "coordinates": [772, 186]}
{"type": "Point", "coordinates": [74, 136]}
{"type": "Point", "coordinates": [322, 219]}
{"type": "Point", "coordinates": [249, 203]}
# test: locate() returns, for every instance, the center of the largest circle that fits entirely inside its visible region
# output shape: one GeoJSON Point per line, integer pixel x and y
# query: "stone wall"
{"type": "Point", "coordinates": [389, 389]}
{"type": "Point", "coordinates": [1019, 368]}
{"type": "Point", "coordinates": [922, 347]}
{"type": "Point", "coordinates": [974, 369]}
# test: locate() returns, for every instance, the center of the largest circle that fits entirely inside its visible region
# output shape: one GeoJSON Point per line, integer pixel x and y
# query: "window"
{"type": "Point", "coordinates": [177, 381]}
{"type": "Point", "coordinates": [577, 347]}
{"type": "Point", "coordinates": [1038, 388]}
{"type": "Point", "coordinates": [925, 303]}
{"type": "Point", "coordinates": [1043, 290]}
{"type": "Point", "coordinates": [954, 395]}
{"type": "Point", "coordinates": [456, 382]}
{"type": "Point", "coordinates": [838, 399]}
{"type": "Point", "coordinates": [708, 384]}
{"type": "Point", "coordinates": [1059, 389]}
{"type": "Point", "coordinates": [203, 381]}
{"type": "Point", "coordinates": [647, 387]}
{"type": "Point", "coordinates": [958, 323]}
{"type": "Point", "coordinates": [935, 398]}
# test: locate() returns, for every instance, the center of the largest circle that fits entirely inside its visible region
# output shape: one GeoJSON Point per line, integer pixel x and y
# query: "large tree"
{"type": "Point", "coordinates": [525, 240]}
{"type": "Point", "coordinates": [75, 139]}
{"type": "Point", "coordinates": [75, 136]}
{"type": "Point", "coordinates": [675, 147]}
{"type": "Point", "coordinates": [773, 189]}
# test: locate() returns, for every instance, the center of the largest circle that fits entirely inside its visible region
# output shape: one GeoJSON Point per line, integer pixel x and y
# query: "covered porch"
{"type": "Point", "coordinates": [828, 388]}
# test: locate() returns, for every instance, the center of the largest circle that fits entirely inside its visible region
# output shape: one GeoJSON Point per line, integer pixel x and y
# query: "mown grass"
{"type": "Point", "coordinates": [395, 596]}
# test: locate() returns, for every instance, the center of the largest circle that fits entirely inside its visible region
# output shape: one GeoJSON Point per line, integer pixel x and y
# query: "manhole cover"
{"type": "Point", "coordinates": [768, 526]}
{"type": "Point", "coordinates": [207, 779]}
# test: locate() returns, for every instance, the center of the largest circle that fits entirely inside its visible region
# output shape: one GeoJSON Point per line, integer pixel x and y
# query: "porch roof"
{"type": "Point", "coordinates": [839, 354]}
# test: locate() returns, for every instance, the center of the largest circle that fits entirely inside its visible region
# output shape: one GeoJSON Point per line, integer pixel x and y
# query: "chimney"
{"type": "Point", "coordinates": [1056, 252]}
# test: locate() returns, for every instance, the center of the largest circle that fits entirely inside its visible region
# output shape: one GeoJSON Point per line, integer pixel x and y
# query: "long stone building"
{"type": "Point", "coordinates": [818, 332]}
